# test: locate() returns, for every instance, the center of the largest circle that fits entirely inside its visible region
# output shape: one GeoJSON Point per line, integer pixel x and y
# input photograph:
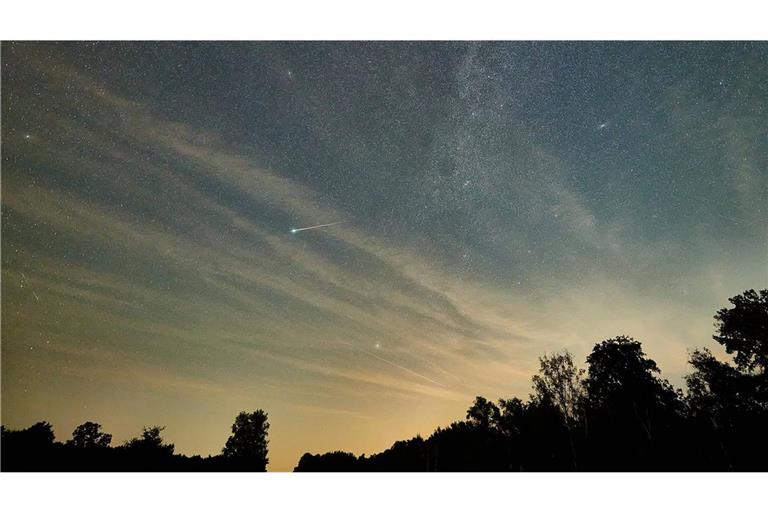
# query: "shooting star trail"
{"type": "Point", "coordinates": [296, 230]}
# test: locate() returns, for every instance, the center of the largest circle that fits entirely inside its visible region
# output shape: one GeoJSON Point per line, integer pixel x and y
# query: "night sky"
{"type": "Point", "coordinates": [497, 201]}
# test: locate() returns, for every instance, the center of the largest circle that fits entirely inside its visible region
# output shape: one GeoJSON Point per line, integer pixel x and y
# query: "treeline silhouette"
{"type": "Point", "coordinates": [618, 414]}
{"type": "Point", "coordinates": [35, 449]}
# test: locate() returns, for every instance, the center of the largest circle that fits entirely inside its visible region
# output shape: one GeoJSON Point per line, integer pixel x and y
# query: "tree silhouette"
{"type": "Point", "coordinates": [246, 448]}
{"type": "Point", "coordinates": [729, 403]}
{"type": "Point", "coordinates": [89, 435]}
{"type": "Point", "coordinates": [619, 372]}
{"type": "Point", "coordinates": [743, 329]}
{"type": "Point", "coordinates": [561, 383]}
{"type": "Point", "coordinates": [715, 386]}
{"type": "Point", "coordinates": [631, 411]}
{"type": "Point", "coordinates": [483, 413]}
{"type": "Point", "coordinates": [29, 449]}
{"type": "Point", "coordinates": [511, 415]}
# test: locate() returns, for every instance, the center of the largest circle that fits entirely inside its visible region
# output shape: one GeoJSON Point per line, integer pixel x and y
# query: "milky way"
{"type": "Point", "coordinates": [509, 199]}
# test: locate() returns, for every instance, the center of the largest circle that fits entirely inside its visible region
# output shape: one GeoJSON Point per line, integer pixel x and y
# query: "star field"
{"type": "Point", "coordinates": [482, 204]}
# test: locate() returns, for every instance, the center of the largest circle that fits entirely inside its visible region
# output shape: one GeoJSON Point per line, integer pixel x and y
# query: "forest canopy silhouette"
{"type": "Point", "coordinates": [617, 414]}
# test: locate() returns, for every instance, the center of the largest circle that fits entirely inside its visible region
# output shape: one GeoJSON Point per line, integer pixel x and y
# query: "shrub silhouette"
{"type": "Point", "coordinates": [331, 461]}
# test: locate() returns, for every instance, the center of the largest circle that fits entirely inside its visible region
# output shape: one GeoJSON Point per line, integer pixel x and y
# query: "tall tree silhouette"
{"type": "Point", "coordinates": [246, 448]}
{"type": "Point", "coordinates": [629, 406]}
{"type": "Point", "coordinates": [729, 402]}
{"type": "Point", "coordinates": [561, 383]}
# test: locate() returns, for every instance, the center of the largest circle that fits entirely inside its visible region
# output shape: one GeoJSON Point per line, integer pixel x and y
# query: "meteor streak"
{"type": "Point", "coordinates": [296, 230]}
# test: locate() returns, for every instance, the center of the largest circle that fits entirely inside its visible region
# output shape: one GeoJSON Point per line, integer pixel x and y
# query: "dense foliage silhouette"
{"type": "Point", "coordinates": [618, 414]}
{"type": "Point", "coordinates": [89, 436]}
